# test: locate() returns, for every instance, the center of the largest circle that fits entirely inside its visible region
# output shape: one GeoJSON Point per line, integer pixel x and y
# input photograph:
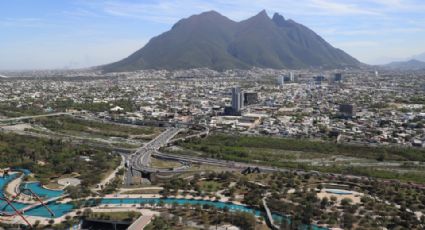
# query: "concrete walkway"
{"type": "Point", "coordinates": [12, 189]}
{"type": "Point", "coordinates": [140, 223]}
{"type": "Point", "coordinates": [269, 215]}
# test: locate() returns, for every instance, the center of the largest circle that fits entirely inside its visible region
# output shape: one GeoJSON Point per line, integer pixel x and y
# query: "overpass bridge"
{"type": "Point", "coordinates": [141, 158]}
{"type": "Point", "coordinates": [139, 162]}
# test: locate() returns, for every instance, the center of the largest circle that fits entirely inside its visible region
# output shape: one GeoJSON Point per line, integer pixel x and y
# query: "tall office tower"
{"type": "Point", "coordinates": [291, 77]}
{"type": "Point", "coordinates": [241, 99]}
{"type": "Point", "coordinates": [319, 79]}
{"type": "Point", "coordinates": [338, 77]}
{"type": "Point", "coordinates": [280, 80]}
{"type": "Point", "coordinates": [236, 99]}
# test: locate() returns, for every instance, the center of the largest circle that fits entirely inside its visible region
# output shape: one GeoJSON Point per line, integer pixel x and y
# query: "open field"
{"type": "Point", "coordinates": [75, 126]}
{"type": "Point", "coordinates": [406, 164]}
{"type": "Point", "coordinates": [223, 143]}
{"type": "Point", "coordinates": [162, 164]}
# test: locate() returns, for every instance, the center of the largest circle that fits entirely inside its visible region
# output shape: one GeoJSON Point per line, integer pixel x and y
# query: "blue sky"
{"type": "Point", "coordinates": [78, 33]}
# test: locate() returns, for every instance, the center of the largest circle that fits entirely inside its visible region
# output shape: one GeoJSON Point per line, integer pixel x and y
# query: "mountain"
{"type": "Point", "coordinates": [406, 65]}
{"type": "Point", "coordinates": [386, 60]}
{"type": "Point", "coordinates": [214, 41]}
{"type": "Point", "coordinates": [420, 57]}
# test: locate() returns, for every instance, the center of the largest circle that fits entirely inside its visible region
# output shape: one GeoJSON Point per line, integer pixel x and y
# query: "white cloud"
{"type": "Point", "coordinates": [167, 12]}
{"type": "Point", "coordinates": [400, 5]}
{"type": "Point", "coordinates": [372, 31]}
{"type": "Point", "coordinates": [172, 10]}
{"type": "Point", "coordinates": [81, 13]}
{"type": "Point", "coordinates": [361, 27]}
{"type": "Point", "coordinates": [356, 44]}
{"type": "Point", "coordinates": [342, 8]}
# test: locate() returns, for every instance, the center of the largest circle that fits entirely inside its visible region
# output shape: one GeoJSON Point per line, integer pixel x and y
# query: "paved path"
{"type": "Point", "coordinates": [111, 176]}
{"type": "Point", "coordinates": [140, 223]}
{"type": "Point", "coordinates": [13, 187]}
{"type": "Point", "coordinates": [269, 215]}
{"type": "Point", "coordinates": [142, 188]}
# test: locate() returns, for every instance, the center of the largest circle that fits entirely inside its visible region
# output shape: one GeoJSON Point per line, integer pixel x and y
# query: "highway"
{"type": "Point", "coordinates": [35, 116]}
{"type": "Point", "coordinates": [231, 165]}
{"type": "Point", "coordinates": [140, 160]}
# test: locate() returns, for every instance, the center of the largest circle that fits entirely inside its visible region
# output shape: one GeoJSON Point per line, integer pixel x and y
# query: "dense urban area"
{"type": "Point", "coordinates": [202, 149]}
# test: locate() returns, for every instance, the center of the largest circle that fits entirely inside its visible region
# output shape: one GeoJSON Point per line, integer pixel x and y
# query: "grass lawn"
{"type": "Point", "coordinates": [157, 163]}
{"type": "Point", "coordinates": [53, 186]}
{"type": "Point", "coordinates": [210, 186]}
{"type": "Point", "coordinates": [125, 145]}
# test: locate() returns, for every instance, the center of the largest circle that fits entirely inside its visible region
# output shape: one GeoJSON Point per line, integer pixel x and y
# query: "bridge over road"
{"type": "Point", "coordinates": [139, 162]}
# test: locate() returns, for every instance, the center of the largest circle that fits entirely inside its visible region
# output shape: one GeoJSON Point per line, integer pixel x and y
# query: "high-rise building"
{"type": "Point", "coordinates": [236, 99]}
{"type": "Point", "coordinates": [291, 76]}
{"type": "Point", "coordinates": [280, 80]}
{"type": "Point", "coordinates": [250, 98]}
{"type": "Point", "coordinates": [338, 77]}
{"type": "Point", "coordinates": [319, 79]}
{"type": "Point", "coordinates": [347, 110]}
{"type": "Point", "coordinates": [241, 99]}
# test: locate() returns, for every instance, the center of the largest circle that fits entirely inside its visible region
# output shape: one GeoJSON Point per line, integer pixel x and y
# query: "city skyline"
{"type": "Point", "coordinates": [212, 114]}
{"type": "Point", "coordinates": [72, 34]}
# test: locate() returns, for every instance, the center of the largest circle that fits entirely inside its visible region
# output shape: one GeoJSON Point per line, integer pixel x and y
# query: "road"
{"type": "Point", "coordinates": [231, 165]}
{"type": "Point", "coordinates": [35, 116]}
{"type": "Point", "coordinates": [140, 160]}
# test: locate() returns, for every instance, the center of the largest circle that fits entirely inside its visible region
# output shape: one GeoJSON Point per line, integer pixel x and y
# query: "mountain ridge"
{"type": "Point", "coordinates": [211, 40]}
{"type": "Point", "coordinates": [419, 57]}
{"type": "Point", "coordinates": [411, 64]}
